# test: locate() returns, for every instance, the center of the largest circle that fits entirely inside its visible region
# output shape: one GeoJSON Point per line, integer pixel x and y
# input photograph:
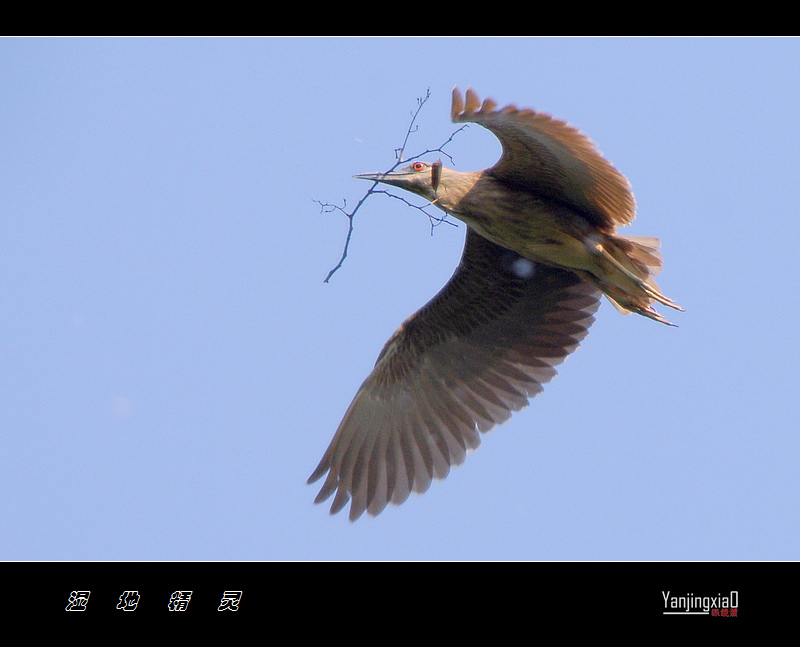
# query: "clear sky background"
{"type": "Point", "coordinates": [172, 365]}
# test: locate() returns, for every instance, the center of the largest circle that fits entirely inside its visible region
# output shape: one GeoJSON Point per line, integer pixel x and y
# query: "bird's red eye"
{"type": "Point", "coordinates": [418, 166]}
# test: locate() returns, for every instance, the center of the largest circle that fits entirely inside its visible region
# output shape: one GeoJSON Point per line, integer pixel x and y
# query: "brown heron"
{"type": "Point", "coordinates": [541, 245]}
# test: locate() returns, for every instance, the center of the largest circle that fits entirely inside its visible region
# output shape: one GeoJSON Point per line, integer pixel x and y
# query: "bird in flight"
{"type": "Point", "coordinates": [541, 247]}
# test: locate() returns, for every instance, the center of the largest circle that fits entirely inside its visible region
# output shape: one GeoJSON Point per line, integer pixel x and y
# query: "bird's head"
{"type": "Point", "coordinates": [422, 178]}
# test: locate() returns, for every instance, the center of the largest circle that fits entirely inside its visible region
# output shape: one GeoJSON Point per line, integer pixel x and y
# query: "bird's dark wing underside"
{"type": "Point", "coordinates": [553, 159]}
{"type": "Point", "coordinates": [460, 365]}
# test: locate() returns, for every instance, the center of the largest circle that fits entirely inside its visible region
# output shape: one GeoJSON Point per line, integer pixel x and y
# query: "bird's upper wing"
{"type": "Point", "coordinates": [460, 365]}
{"type": "Point", "coordinates": [553, 159]}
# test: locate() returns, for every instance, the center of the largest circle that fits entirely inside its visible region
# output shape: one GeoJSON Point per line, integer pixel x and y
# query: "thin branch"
{"type": "Point", "coordinates": [434, 220]}
{"type": "Point", "coordinates": [441, 147]}
{"type": "Point", "coordinates": [421, 101]}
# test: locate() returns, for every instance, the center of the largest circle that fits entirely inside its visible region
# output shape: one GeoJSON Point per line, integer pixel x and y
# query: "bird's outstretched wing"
{"type": "Point", "coordinates": [551, 158]}
{"type": "Point", "coordinates": [460, 365]}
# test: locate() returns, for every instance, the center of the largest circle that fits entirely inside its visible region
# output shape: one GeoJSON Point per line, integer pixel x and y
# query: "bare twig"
{"type": "Point", "coordinates": [434, 220]}
{"type": "Point", "coordinates": [421, 101]}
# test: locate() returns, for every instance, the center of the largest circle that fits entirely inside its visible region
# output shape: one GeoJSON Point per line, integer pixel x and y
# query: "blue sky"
{"type": "Point", "coordinates": [172, 365]}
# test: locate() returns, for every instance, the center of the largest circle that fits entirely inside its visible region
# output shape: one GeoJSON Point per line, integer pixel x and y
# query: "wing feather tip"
{"type": "Point", "coordinates": [458, 105]}
{"type": "Point", "coordinates": [317, 473]}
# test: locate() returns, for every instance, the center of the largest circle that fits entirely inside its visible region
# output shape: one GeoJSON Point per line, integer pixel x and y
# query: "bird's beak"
{"type": "Point", "coordinates": [375, 177]}
{"type": "Point", "coordinates": [396, 178]}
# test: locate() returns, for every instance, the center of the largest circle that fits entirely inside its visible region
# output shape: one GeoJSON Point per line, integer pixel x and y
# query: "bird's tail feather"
{"type": "Point", "coordinates": [639, 259]}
